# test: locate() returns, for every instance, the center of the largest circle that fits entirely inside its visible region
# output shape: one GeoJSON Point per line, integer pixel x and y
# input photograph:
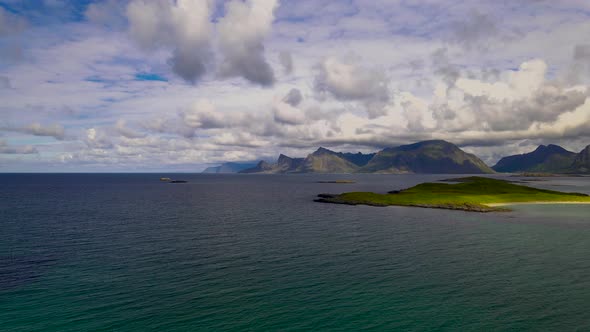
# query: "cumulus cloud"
{"type": "Point", "coordinates": [522, 99]}
{"type": "Point", "coordinates": [287, 113]}
{"type": "Point", "coordinates": [396, 94]}
{"type": "Point", "coordinates": [185, 28]}
{"type": "Point", "coordinates": [97, 139]}
{"type": "Point", "coordinates": [56, 131]}
{"type": "Point", "coordinates": [204, 115]}
{"type": "Point", "coordinates": [23, 149]}
{"type": "Point", "coordinates": [349, 81]}
{"type": "Point", "coordinates": [294, 97]}
{"type": "Point", "coordinates": [241, 35]}
{"type": "Point", "coordinates": [183, 25]}
{"type": "Point", "coordinates": [238, 139]}
{"type": "Point", "coordinates": [122, 129]}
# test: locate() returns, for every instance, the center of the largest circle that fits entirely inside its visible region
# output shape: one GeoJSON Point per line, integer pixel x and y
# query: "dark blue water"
{"type": "Point", "coordinates": [232, 252]}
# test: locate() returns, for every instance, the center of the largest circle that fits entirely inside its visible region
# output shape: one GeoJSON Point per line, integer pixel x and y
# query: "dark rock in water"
{"type": "Point", "coordinates": [337, 181]}
{"type": "Point", "coordinates": [178, 181]}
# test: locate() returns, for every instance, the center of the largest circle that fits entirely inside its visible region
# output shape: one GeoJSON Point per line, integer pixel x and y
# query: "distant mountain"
{"type": "Point", "coordinates": [283, 165]}
{"type": "Point", "coordinates": [287, 164]}
{"type": "Point", "coordinates": [422, 157]}
{"type": "Point", "coordinates": [226, 168]}
{"type": "Point", "coordinates": [327, 161]}
{"type": "Point", "coordinates": [581, 163]}
{"type": "Point", "coordinates": [434, 156]}
{"type": "Point", "coordinates": [321, 161]}
{"type": "Point", "coordinates": [358, 159]}
{"type": "Point", "coordinates": [545, 159]}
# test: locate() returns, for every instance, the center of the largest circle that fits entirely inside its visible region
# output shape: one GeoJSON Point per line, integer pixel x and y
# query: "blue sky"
{"type": "Point", "coordinates": [180, 85]}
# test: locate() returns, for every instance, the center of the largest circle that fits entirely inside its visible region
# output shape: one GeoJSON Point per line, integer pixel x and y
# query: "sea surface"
{"type": "Point", "coordinates": [125, 252]}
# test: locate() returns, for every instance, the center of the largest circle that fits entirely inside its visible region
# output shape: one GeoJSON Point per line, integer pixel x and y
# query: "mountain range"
{"type": "Point", "coordinates": [547, 159]}
{"type": "Point", "coordinates": [434, 156]}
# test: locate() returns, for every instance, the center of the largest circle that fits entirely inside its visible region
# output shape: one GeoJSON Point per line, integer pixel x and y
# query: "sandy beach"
{"type": "Point", "coordinates": [535, 203]}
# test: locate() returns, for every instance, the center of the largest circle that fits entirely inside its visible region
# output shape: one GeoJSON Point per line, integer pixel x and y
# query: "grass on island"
{"type": "Point", "coordinates": [469, 194]}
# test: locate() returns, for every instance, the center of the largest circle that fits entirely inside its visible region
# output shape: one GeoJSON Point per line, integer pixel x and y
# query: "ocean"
{"type": "Point", "coordinates": [126, 252]}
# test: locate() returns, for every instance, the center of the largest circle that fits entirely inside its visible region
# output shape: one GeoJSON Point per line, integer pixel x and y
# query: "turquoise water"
{"type": "Point", "coordinates": [125, 252]}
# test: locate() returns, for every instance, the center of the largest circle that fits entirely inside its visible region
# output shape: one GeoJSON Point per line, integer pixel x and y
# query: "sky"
{"type": "Point", "coordinates": [164, 85]}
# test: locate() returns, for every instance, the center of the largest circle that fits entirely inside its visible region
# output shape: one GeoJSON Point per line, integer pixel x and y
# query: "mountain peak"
{"type": "Point", "coordinates": [545, 158]}
{"type": "Point", "coordinates": [283, 157]}
{"type": "Point", "coordinates": [322, 150]}
{"type": "Point", "coordinates": [540, 148]}
{"type": "Point", "coordinates": [582, 162]}
{"type": "Point", "coordinates": [433, 156]}
{"type": "Point", "coordinates": [551, 148]}
{"type": "Point", "coordinates": [430, 144]}
{"type": "Point", "coordinates": [263, 163]}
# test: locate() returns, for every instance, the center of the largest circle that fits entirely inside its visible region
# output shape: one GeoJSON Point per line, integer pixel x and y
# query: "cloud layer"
{"type": "Point", "coordinates": [184, 27]}
{"type": "Point", "coordinates": [103, 85]}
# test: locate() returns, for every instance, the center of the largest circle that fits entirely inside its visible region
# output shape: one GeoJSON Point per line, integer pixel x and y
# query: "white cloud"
{"type": "Point", "coordinates": [294, 97]}
{"type": "Point", "coordinates": [204, 115]}
{"type": "Point", "coordinates": [22, 149]}
{"type": "Point", "coordinates": [286, 113]}
{"type": "Point", "coordinates": [56, 131]}
{"type": "Point", "coordinates": [421, 70]}
{"type": "Point", "coordinates": [183, 25]}
{"type": "Point", "coordinates": [241, 40]}
{"type": "Point", "coordinates": [350, 81]}
{"type": "Point", "coordinates": [122, 129]}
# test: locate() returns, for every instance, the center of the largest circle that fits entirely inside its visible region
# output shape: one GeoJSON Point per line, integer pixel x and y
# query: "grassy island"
{"type": "Point", "coordinates": [478, 194]}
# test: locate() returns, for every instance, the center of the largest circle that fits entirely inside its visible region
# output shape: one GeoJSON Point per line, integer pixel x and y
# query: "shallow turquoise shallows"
{"type": "Point", "coordinates": [123, 252]}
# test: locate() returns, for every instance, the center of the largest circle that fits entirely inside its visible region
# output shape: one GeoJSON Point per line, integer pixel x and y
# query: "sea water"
{"type": "Point", "coordinates": [88, 252]}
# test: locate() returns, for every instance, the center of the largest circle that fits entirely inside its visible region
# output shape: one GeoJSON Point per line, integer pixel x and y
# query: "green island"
{"type": "Point", "coordinates": [477, 194]}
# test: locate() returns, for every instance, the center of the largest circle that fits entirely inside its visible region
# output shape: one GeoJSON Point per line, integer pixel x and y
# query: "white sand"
{"type": "Point", "coordinates": [527, 203]}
